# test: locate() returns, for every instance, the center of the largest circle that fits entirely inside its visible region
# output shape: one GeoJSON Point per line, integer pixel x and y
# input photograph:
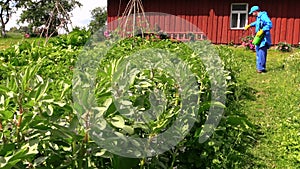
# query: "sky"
{"type": "Point", "coordinates": [81, 16]}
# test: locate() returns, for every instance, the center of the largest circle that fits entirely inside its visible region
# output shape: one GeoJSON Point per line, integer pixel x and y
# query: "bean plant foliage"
{"type": "Point", "coordinates": [145, 110]}
{"type": "Point", "coordinates": [57, 114]}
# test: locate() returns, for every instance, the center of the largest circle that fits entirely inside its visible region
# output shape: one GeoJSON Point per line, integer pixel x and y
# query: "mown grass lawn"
{"type": "Point", "coordinates": [276, 109]}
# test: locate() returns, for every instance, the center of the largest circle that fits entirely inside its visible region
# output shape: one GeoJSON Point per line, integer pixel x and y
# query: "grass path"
{"type": "Point", "coordinates": [275, 109]}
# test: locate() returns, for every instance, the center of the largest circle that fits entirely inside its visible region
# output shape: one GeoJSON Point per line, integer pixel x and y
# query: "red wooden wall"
{"type": "Point", "coordinates": [213, 17]}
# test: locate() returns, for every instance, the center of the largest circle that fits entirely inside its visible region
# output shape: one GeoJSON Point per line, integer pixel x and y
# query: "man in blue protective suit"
{"type": "Point", "coordinates": [263, 25]}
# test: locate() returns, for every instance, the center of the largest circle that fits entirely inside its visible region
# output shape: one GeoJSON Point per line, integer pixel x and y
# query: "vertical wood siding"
{"type": "Point", "coordinates": [212, 17]}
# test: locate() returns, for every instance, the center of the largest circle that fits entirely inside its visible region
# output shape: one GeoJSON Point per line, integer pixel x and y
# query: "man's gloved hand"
{"type": "Point", "coordinates": [259, 33]}
{"type": "Point", "coordinates": [247, 27]}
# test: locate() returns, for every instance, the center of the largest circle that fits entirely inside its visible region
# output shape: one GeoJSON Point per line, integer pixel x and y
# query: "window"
{"type": "Point", "coordinates": [239, 15]}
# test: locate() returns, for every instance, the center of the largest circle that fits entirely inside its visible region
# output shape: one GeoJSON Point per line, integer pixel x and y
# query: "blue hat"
{"type": "Point", "coordinates": [253, 9]}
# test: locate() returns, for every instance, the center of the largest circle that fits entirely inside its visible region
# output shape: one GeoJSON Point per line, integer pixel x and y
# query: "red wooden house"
{"type": "Point", "coordinates": [221, 21]}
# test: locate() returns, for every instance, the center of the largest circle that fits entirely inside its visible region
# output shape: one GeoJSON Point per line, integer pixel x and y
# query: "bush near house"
{"type": "Point", "coordinates": [284, 47]}
{"type": "Point", "coordinates": [247, 42]}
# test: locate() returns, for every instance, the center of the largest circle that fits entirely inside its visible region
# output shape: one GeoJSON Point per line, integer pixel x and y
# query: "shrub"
{"type": "Point", "coordinates": [77, 38]}
{"type": "Point", "coordinates": [247, 42]}
{"type": "Point", "coordinates": [284, 47]}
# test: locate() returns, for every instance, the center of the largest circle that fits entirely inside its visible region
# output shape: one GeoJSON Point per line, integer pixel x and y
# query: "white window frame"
{"type": "Point", "coordinates": [239, 14]}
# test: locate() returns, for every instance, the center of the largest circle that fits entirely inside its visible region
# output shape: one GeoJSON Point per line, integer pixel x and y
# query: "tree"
{"type": "Point", "coordinates": [99, 17]}
{"type": "Point", "coordinates": [50, 14]}
{"type": "Point", "coordinates": [7, 8]}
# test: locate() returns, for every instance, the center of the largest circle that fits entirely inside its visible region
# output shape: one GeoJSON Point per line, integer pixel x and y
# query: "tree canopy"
{"type": "Point", "coordinates": [99, 18]}
{"type": "Point", "coordinates": [50, 14]}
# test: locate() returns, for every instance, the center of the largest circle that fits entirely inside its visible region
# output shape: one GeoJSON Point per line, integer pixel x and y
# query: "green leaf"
{"type": "Point", "coordinates": [218, 104]}
{"type": "Point", "coordinates": [128, 129]}
{"type": "Point", "coordinates": [74, 123]}
{"type": "Point", "coordinates": [25, 79]}
{"type": "Point", "coordinates": [5, 115]}
{"type": "Point", "coordinates": [40, 79]}
{"type": "Point", "coordinates": [7, 149]}
{"type": "Point", "coordinates": [145, 84]}
{"type": "Point", "coordinates": [107, 103]}
{"type": "Point", "coordinates": [66, 87]}
{"type": "Point", "coordinates": [50, 110]}
{"type": "Point", "coordinates": [118, 121]}
{"type": "Point", "coordinates": [101, 153]}
{"type": "Point", "coordinates": [8, 164]}
{"type": "Point", "coordinates": [60, 104]}
{"type": "Point", "coordinates": [4, 89]}
{"type": "Point", "coordinates": [78, 108]}
{"type": "Point", "coordinates": [41, 127]}
{"type": "Point", "coordinates": [126, 102]}
{"type": "Point", "coordinates": [64, 132]}
{"type": "Point", "coordinates": [39, 161]}
{"type": "Point", "coordinates": [12, 160]}
{"type": "Point", "coordinates": [38, 93]}
{"type": "Point", "coordinates": [41, 91]}
{"type": "Point", "coordinates": [32, 146]}
{"type": "Point", "coordinates": [2, 100]}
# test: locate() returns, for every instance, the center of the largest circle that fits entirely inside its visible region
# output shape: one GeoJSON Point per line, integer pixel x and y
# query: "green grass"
{"type": "Point", "coordinates": [14, 38]}
{"type": "Point", "coordinates": [275, 109]}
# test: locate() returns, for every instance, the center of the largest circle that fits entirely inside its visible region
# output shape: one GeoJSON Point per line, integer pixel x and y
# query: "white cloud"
{"type": "Point", "coordinates": [13, 20]}
{"type": "Point", "coordinates": [80, 16]}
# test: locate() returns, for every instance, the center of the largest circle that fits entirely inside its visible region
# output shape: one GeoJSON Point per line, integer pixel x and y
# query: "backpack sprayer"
{"type": "Point", "coordinates": [257, 39]}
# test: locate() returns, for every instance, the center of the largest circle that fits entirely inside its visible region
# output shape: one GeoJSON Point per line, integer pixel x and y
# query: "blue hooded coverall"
{"type": "Point", "coordinates": [262, 22]}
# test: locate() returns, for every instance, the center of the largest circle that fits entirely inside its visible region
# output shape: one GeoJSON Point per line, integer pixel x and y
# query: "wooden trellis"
{"type": "Point", "coordinates": [133, 19]}
{"type": "Point", "coordinates": [63, 17]}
